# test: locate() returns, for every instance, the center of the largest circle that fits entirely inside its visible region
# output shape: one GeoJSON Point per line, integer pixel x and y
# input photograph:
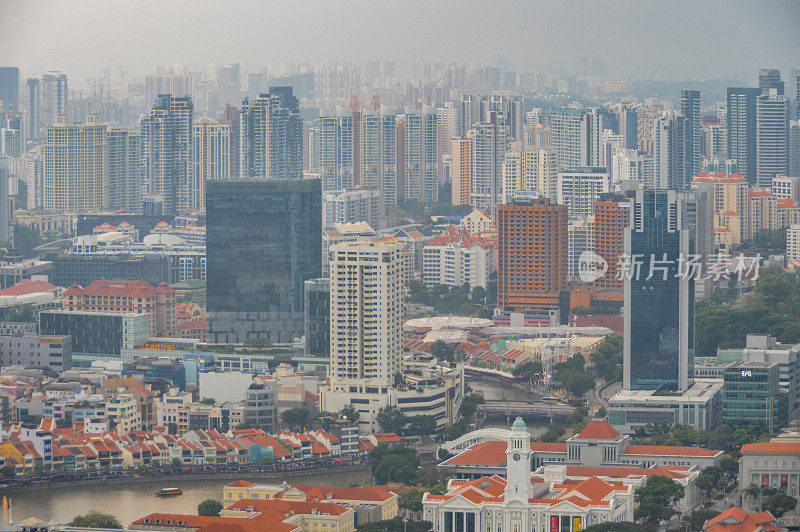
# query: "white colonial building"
{"type": "Point", "coordinates": [516, 503]}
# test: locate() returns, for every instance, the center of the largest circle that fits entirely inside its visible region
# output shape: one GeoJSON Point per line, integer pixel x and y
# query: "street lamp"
{"type": "Point", "coordinates": [405, 524]}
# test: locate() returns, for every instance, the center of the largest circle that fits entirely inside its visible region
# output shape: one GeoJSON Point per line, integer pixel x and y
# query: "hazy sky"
{"type": "Point", "coordinates": [688, 38]}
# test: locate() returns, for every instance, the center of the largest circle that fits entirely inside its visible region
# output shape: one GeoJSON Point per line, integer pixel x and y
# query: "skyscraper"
{"type": "Point", "coordinates": [419, 169]}
{"type": "Point", "coordinates": [337, 161]}
{"type": "Point", "coordinates": [490, 142]}
{"type": "Point", "coordinates": [591, 139]}
{"type": "Point", "coordinates": [533, 250]}
{"type": "Point", "coordinates": [378, 156]}
{"type": "Point", "coordinates": [232, 118]}
{"type": "Point", "coordinates": [76, 166]}
{"type": "Point", "coordinates": [796, 79]}
{"type": "Point", "coordinates": [33, 116]}
{"type": "Point", "coordinates": [565, 135]}
{"type": "Point", "coordinates": [659, 302]}
{"type": "Point", "coordinates": [770, 78]}
{"type": "Point", "coordinates": [125, 172]}
{"type": "Point", "coordinates": [669, 144]}
{"type": "Point", "coordinates": [6, 225]}
{"type": "Point", "coordinates": [262, 244]}
{"type": "Point", "coordinates": [9, 88]}
{"type": "Point", "coordinates": [690, 109]}
{"type": "Point", "coordinates": [211, 156]}
{"type": "Point", "coordinates": [54, 97]}
{"type": "Point", "coordinates": [772, 136]}
{"type": "Point", "coordinates": [611, 218]}
{"type": "Point", "coordinates": [271, 136]}
{"type": "Point", "coordinates": [366, 326]}
{"type": "Point", "coordinates": [742, 130]}
{"type": "Point", "coordinates": [167, 151]}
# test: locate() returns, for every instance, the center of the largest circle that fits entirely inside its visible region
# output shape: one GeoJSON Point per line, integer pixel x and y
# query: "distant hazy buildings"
{"type": "Point", "coordinates": [271, 136]}
{"type": "Point", "coordinates": [9, 88]}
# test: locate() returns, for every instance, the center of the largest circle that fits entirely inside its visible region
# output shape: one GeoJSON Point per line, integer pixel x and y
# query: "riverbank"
{"type": "Point", "coordinates": [195, 476]}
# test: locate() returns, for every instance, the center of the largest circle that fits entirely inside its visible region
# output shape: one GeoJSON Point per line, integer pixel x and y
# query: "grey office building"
{"type": "Point", "coordinates": [772, 136]}
{"type": "Point", "coordinates": [262, 243]}
{"type": "Point", "coordinates": [318, 316]}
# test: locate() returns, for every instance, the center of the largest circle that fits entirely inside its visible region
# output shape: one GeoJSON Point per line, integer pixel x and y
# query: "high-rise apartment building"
{"type": "Point", "coordinates": [793, 243]}
{"type": "Point", "coordinates": [772, 136]}
{"type": "Point", "coordinates": [167, 151]}
{"type": "Point", "coordinates": [591, 139]}
{"type": "Point", "coordinates": [742, 130]}
{"type": "Point", "coordinates": [786, 187]}
{"type": "Point", "coordinates": [262, 243]}
{"type": "Point", "coordinates": [53, 97]}
{"type": "Point", "coordinates": [211, 156]}
{"type": "Point", "coordinates": [231, 116]}
{"type": "Point", "coordinates": [490, 142]}
{"type": "Point", "coordinates": [76, 166]}
{"type": "Point", "coordinates": [33, 114]}
{"type": "Point", "coordinates": [378, 157]}
{"type": "Point", "coordinates": [796, 80]}
{"type": "Point", "coordinates": [669, 156]}
{"type": "Point", "coordinates": [659, 302]}
{"type": "Point", "coordinates": [125, 173]}
{"type": "Point", "coordinates": [351, 206]}
{"type": "Point", "coordinates": [271, 136]}
{"type": "Point", "coordinates": [337, 160]}
{"type": "Point", "coordinates": [794, 147]}
{"type": "Point", "coordinates": [532, 254]}
{"type": "Point", "coordinates": [6, 218]}
{"type": "Point", "coordinates": [690, 109]}
{"type": "Point", "coordinates": [581, 188]}
{"type": "Point", "coordinates": [611, 218]}
{"type": "Point", "coordinates": [418, 169]}
{"type": "Point", "coordinates": [461, 171]}
{"type": "Point", "coordinates": [581, 238]}
{"type": "Point", "coordinates": [768, 79]}
{"type": "Point", "coordinates": [9, 88]}
{"type": "Point", "coordinates": [632, 166]}
{"type": "Point", "coordinates": [566, 125]}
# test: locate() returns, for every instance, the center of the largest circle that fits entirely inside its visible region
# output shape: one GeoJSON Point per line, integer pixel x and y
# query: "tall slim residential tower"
{"type": "Point", "coordinates": [271, 136]}
{"type": "Point", "coordinates": [231, 117]}
{"type": "Point", "coordinates": [366, 320]}
{"type": "Point", "coordinates": [337, 160]}
{"type": "Point", "coordinates": [167, 151]}
{"type": "Point", "coordinates": [211, 155]}
{"type": "Point", "coordinates": [262, 243]}
{"type": "Point", "coordinates": [9, 88]}
{"type": "Point", "coordinates": [125, 172]}
{"type": "Point", "coordinates": [796, 81]}
{"type": "Point", "coordinates": [611, 218]}
{"type": "Point", "coordinates": [379, 153]}
{"type": "Point", "coordinates": [659, 308]}
{"type": "Point", "coordinates": [772, 136]}
{"type": "Point", "coordinates": [669, 160]}
{"type": "Point", "coordinates": [690, 109]}
{"type": "Point", "coordinates": [6, 218]}
{"type": "Point", "coordinates": [54, 97]}
{"type": "Point", "coordinates": [490, 142]}
{"type": "Point", "coordinates": [76, 166]}
{"type": "Point", "coordinates": [533, 250]}
{"type": "Point", "coordinates": [742, 130]}
{"type": "Point", "coordinates": [419, 178]}
{"type": "Point", "coordinates": [591, 151]}
{"type": "Point", "coordinates": [33, 116]}
{"type": "Point", "coordinates": [461, 170]}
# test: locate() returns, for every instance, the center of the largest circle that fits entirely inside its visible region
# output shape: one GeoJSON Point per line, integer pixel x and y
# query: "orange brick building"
{"type": "Point", "coordinates": [532, 254]}
{"type": "Point", "coordinates": [610, 220]}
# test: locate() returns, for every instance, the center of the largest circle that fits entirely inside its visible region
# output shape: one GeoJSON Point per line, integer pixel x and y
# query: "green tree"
{"type": "Point", "coordinates": [95, 519]}
{"type": "Point", "coordinates": [422, 425]}
{"type": "Point", "coordinates": [656, 498]}
{"type": "Point", "coordinates": [394, 468]}
{"type": "Point", "coordinates": [479, 295]}
{"type": "Point", "coordinates": [695, 520]}
{"type": "Point", "coordinates": [778, 504]}
{"type": "Point", "coordinates": [709, 480]}
{"type": "Point", "coordinates": [553, 433]}
{"type": "Point", "coordinates": [529, 370]}
{"type": "Point", "coordinates": [443, 454]}
{"type": "Point", "coordinates": [209, 507]}
{"type": "Point", "coordinates": [295, 418]}
{"type": "Point", "coordinates": [26, 238]}
{"type": "Point", "coordinates": [411, 500]}
{"type": "Point", "coordinates": [607, 358]}
{"type": "Point", "coordinates": [349, 411]}
{"type": "Point", "coordinates": [391, 419]}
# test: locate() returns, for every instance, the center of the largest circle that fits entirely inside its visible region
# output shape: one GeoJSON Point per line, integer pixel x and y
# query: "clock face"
{"type": "Point", "coordinates": [516, 457]}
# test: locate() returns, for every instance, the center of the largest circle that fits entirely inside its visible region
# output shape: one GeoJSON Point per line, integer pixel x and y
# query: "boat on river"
{"type": "Point", "coordinates": [169, 492]}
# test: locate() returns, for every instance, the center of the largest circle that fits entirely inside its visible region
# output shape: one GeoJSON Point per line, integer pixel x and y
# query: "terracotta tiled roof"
{"type": "Point", "coordinates": [771, 447]}
{"type": "Point", "coordinates": [598, 430]}
{"type": "Point", "coordinates": [344, 494]}
{"type": "Point", "coordinates": [113, 288]}
{"type": "Point", "coordinates": [240, 484]}
{"type": "Point", "coordinates": [27, 286]}
{"type": "Point", "coordinates": [737, 520]}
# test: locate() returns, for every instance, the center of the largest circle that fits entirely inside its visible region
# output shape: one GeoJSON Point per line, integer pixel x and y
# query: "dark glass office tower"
{"type": "Point", "coordinates": [262, 243]}
{"type": "Point", "coordinates": [9, 88]}
{"type": "Point", "coordinates": [659, 312]}
{"type": "Point", "coordinates": [742, 130]}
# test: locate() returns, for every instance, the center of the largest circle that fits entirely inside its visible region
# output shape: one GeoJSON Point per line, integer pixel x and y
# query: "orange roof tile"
{"type": "Point", "coordinates": [598, 430]}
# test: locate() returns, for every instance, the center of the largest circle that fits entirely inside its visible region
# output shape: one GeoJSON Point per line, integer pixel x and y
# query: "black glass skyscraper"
{"type": "Point", "coordinates": [262, 243]}
{"type": "Point", "coordinates": [659, 302]}
{"type": "Point", "coordinates": [690, 109]}
{"type": "Point", "coordinates": [9, 88]}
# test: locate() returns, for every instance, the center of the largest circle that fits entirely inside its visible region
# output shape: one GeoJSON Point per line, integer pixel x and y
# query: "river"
{"type": "Point", "coordinates": [495, 390]}
{"type": "Point", "coordinates": [128, 502]}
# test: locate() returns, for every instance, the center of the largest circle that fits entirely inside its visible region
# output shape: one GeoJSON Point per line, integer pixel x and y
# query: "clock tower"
{"type": "Point", "coordinates": [518, 463]}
